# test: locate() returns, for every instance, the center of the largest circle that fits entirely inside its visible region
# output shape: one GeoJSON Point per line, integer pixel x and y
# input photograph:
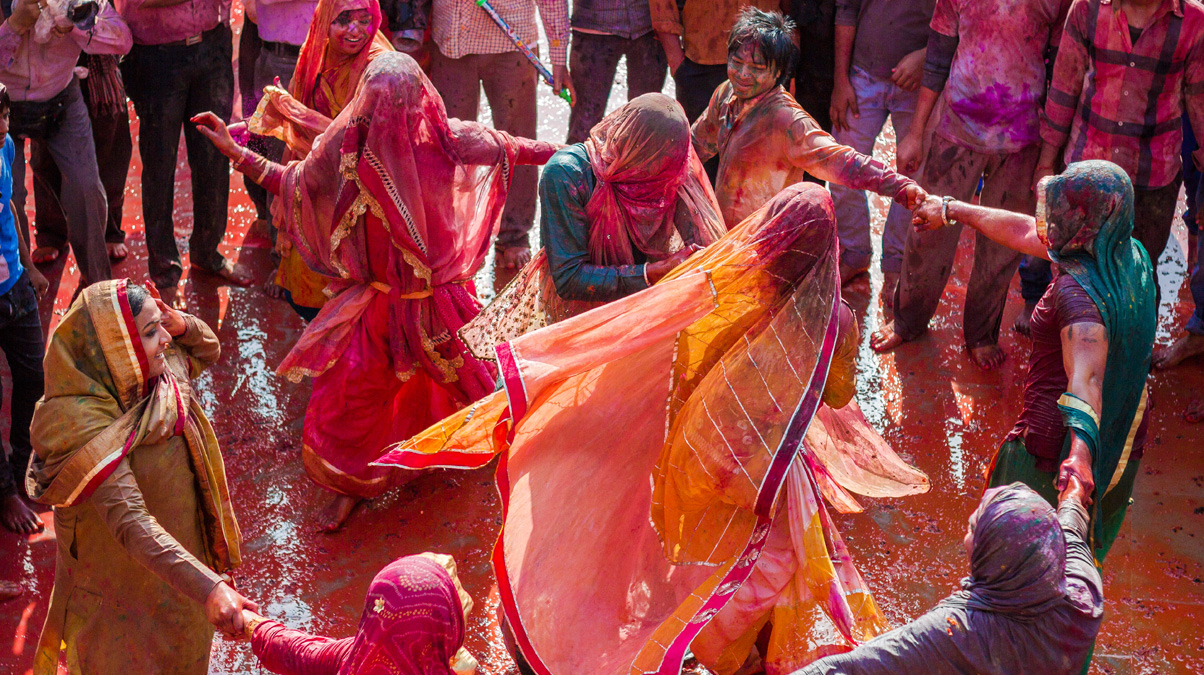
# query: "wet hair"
{"type": "Point", "coordinates": [137, 295]}
{"type": "Point", "coordinates": [5, 102]}
{"type": "Point", "coordinates": [772, 34]}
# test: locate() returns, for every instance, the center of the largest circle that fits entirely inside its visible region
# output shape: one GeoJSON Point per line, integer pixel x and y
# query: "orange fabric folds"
{"type": "Point", "coordinates": [662, 461]}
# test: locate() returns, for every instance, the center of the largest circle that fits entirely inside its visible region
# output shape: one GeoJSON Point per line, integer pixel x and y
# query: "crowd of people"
{"type": "Point", "coordinates": [687, 289]}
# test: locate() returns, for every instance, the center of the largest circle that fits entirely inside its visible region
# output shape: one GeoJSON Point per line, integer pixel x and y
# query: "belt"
{"type": "Point", "coordinates": [282, 49]}
{"type": "Point", "coordinates": [191, 39]}
{"type": "Point", "coordinates": [387, 289]}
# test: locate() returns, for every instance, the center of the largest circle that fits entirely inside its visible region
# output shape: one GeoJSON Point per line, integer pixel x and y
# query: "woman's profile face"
{"type": "Point", "coordinates": [350, 32]}
{"type": "Point", "coordinates": [155, 337]}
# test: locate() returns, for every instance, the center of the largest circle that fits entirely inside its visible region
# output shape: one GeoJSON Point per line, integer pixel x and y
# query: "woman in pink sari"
{"type": "Point", "coordinates": [413, 624]}
{"type": "Point", "coordinates": [398, 204]}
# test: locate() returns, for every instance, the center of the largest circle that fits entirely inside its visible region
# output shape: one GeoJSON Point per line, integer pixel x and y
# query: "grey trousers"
{"type": "Point", "coordinates": [953, 170]}
{"type": "Point", "coordinates": [82, 198]}
{"type": "Point", "coordinates": [509, 83]}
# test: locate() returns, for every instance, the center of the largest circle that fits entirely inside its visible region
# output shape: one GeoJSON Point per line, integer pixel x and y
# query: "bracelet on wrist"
{"type": "Point", "coordinates": [945, 202]}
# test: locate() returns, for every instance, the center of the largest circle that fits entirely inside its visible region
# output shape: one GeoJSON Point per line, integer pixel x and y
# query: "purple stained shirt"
{"type": "Point", "coordinates": [285, 20]}
{"type": "Point", "coordinates": [996, 82]}
{"type": "Point", "coordinates": [163, 25]}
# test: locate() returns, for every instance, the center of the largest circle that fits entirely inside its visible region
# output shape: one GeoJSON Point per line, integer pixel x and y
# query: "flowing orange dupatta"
{"type": "Point", "coordinates": [694, 402]}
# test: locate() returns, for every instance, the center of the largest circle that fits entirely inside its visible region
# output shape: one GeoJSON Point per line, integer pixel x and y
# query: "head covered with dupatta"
{"type": "Point", "coordinates": [100, 405]}
{"type": "Point", "coordinates": [1018, 559]}
{"type": "Point", "coordinates": [644, 161]}
{"type": "Point", "coordinates": [413, 620]}
{"type": "Point", "coordinates": [314, 57]}
{"type": "Point", "coordinates": [1085, 217]}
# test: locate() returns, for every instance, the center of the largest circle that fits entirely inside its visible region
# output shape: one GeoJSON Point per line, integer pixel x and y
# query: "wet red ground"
{"type": "Point", "coordinates": [931, 403]}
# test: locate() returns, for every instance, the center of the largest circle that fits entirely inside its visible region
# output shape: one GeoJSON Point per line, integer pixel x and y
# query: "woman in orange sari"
{"type": "Point", "coordinates": [663, 458]}
{"type": "Point", "coordinates": [344, 37]}
{"type": "Point", "coordinates": [397, 204]}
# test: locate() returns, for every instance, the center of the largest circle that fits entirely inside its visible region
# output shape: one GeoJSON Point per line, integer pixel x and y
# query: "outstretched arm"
{"type": "Point", "coordinates": [1084, 356]}
{"type": "Point", "coordinates": [1014, 230]}
{"type": "Point", "coordinates": [262, 170]}
{"type": "Point", "coordinates": [293, 652]}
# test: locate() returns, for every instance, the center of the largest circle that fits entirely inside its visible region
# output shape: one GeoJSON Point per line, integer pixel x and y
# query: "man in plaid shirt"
{"type": "Point", "coordinates": [473, 51]}
{"type": "Point", "coordinates": [1125, 72]}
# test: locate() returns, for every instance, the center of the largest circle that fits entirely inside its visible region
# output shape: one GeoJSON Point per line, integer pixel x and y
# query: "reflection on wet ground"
{"type": "Point", "coordinates": [947, 420]}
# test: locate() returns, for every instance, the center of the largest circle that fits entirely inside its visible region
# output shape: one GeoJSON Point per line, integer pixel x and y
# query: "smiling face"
{"type": "Point", "coordinates": [749, 72]}
{"type": "Point", "coordinates": [154, 338]}
{"type": "Point", "coordinates": [350, 32]}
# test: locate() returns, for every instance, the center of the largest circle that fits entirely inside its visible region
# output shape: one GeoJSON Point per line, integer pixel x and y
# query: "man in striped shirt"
{"type": "Point", "coordinates": [471, 52]}
{"type": "Point", "coordinates": [1125, 73]}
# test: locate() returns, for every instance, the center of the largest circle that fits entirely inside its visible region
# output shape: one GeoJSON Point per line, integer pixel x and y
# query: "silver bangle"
{"type": "Point", "coordinates": [945, 201]}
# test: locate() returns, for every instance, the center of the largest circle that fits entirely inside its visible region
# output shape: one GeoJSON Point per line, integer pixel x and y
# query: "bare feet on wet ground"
{"type": "Point", "coordinates": [335, 515]}
{"type": "Point", "coordinates": [1185, 347]}
{"type": "Point", "coordinates": [16, 515]}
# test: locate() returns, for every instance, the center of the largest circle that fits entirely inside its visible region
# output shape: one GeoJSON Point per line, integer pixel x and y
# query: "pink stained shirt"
{"type": "Point", "coordinates": [460, 27]}
{"type": "Point", "coordinates": [996, 82]}
{"type": "Point", "coordinates": [1123, 101]}
{"type": "Point", "coordinates": [37, 72]}
{"type": "Point", "coordinates": [164, 25]}
{"type": "Point", "coordinates": [284, 20]}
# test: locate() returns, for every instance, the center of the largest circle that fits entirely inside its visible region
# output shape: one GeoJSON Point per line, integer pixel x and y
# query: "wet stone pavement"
{"type": "Point", "coordinates": [937, 410]}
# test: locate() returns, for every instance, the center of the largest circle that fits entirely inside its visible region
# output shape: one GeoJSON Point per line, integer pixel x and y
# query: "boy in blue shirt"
{"type": "Point", "coordinates": [20, 339]}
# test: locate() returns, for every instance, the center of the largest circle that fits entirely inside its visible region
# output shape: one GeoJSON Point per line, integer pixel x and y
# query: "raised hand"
{"type": "Point", "coordinates": [212, 127]}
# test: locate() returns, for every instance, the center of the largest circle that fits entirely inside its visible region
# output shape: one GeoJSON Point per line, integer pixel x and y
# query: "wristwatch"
{"type": "Point", "coordinates": [945, 201]}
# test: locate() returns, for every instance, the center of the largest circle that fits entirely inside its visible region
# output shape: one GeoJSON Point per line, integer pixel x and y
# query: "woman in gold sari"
{"type": "Point", "coordinates": [142, 514]}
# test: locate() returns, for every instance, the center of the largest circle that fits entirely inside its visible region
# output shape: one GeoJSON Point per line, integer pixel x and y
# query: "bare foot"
{"type": "Point", "coordinates": [238, 275]}
{"type": "Point", "coordinates": [10, 590]}
{"type": "Point", "coordinates": [44, 255]}
{"type": "Point", "coordinates": [885, 339]}
{"type": "Point", "coordinates": [332, 518]}
{"type": "Point", "coordinates": [513, 258]}
{"type": "Point", "coordinates": [890, 280]}
{"type": "Point", "coordinates": [1195, 412]}
{"type": "Point", "coordinates": [988, 357]}
{"type": "Point", "coordinates": [18, 517]}
{"type": "Point", "coordinates": [1185, 347]}
{"type": "Point", "coordinates": [118, 251]}
{"type": "Point", "coordinates": [1024, 320]}
{"type": "Point", "coordinates": [849, 273]}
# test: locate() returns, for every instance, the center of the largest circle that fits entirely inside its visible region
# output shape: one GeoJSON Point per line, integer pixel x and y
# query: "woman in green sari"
{"type": "Point", "coordinates": [1085, 396]}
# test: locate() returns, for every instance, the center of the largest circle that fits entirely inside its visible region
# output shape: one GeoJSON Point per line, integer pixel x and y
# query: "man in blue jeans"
{"type": "Point", "coordinates": [880, 50]}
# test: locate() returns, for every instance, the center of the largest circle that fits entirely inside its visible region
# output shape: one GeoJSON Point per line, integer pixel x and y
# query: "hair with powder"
{"type": "Point", "coordinates": [772, 34]}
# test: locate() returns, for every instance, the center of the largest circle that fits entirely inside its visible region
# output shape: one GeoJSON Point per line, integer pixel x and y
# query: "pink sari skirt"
{"type": "Point", "coordinates": [360, 407]}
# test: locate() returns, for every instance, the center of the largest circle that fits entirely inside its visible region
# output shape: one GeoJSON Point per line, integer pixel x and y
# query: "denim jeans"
{"type": "Point", "coordinates": [21, 342]}
{"type": "Point", "coordinates": [877, 99]}
{"type": "Point", "coordinates": [1191, 175]}
{"type": "Point", "coordinates": [1195, 324]}
{"type": "Point", "coordinates": [168, 85]}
